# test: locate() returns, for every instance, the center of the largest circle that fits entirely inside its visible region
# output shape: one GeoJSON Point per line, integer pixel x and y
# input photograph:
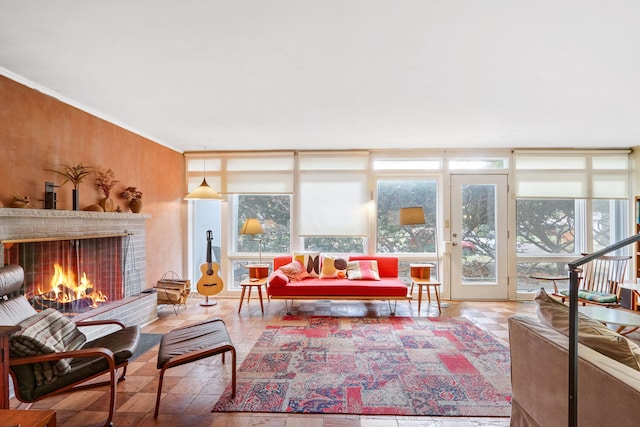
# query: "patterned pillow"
{"type": "Point", "coordinates": [311, 261]}
{"type": "Point", "coordinates": [333, 268]}
{"type": "Point", "coordinates": [363, 270]}
{"type": "Point", "coordinates": [295, 271]}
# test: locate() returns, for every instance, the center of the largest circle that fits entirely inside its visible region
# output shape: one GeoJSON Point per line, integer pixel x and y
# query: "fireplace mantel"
{"type": "Point", "coordinates": [58, 213]}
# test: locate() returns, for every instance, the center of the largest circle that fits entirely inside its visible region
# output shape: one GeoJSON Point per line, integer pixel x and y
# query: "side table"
{"type": "Point", "coordinates": [250, 284]}
{"type": "Point", "coordinates": [420, 283]}
{"type": "Point", "coordinates": [421, 277]}
{"type": "Point", "coordinates": [28, 418]}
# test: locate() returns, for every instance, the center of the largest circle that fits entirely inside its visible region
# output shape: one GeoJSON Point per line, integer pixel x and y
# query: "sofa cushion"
{"type": "Point", "coordinates": [342, 288]}
{"type": "Point", "coordinates": [363, 270]}
{"type": "Point", "coordinates": [278, 279]}
{"type": "Point", "coordinates": [590, 332]}
{"type": "Point", "coordinates": [311, 261]}
{"type": "Point", "coordinates": [294, 271]}
{"type": "Point", "coordinates": [387, 265]}
{"type": "Point", "coordinates": [333, 268]}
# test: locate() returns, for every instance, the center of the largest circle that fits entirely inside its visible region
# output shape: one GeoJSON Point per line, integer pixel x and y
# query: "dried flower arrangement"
{"type": "Point", "coordinates": [75, 174]}
{"type": "Point", "coordinates": [105, 180]}
{"type": "Point", "coordinates": [131, 193]}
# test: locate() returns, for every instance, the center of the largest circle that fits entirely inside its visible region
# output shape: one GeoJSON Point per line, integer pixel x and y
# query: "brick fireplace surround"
{"type": "Point", "coordinates": [135, 308]}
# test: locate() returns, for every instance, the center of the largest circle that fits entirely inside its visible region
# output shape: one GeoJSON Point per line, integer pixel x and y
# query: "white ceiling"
{"type": "Point", "coordinates": [338, 74]}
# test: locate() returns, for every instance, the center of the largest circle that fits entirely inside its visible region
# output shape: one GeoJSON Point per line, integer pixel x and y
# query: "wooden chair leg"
{"type": "Point", "coordinates": [155, 414]}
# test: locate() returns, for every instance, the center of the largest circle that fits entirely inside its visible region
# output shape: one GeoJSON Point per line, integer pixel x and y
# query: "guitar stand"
{"type": "Point", "coordinates": [207, 303]}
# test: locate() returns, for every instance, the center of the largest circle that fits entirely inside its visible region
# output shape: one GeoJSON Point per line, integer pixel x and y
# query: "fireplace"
{"type": "Point", "coordinates": [71, 239]}
{"type": "Point", "coordinates": [71, 275]}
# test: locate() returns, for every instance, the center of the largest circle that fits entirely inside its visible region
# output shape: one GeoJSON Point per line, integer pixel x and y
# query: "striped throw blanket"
{"type": "Point", "coordinates": [47, 332]}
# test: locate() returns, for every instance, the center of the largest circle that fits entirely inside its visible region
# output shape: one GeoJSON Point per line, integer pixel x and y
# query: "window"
{"type": "Point", "coordinates": [273, 211]}
{"type": "Point", "coordinates": [568, 203]}
{"type": "Point", "coordinates": [394, 194]}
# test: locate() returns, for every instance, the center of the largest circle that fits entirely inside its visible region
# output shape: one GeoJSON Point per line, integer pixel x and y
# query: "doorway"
{"type": "Point", "coordinates": [479, 237]}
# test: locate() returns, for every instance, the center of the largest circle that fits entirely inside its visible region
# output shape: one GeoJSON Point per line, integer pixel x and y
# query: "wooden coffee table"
{"type": "Point", "coordinates": [612, 316]}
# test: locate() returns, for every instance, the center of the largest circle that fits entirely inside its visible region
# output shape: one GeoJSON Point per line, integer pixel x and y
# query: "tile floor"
{"type": "Point", "coordinates": [192, 389]}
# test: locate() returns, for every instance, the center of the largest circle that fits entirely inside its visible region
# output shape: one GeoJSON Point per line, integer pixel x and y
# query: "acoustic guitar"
{"type": "Point", "coordinates": [210, 282]}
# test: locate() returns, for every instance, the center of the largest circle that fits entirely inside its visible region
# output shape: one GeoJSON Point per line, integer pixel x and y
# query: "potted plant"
{"type": "Point", "coordinates": [74, 174]}
{"type": "Point", "coordinates": [105, 181]}
{"type": "Point", "coordinates": [134, 196]}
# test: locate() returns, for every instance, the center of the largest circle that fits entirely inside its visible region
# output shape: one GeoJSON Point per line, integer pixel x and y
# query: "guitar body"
{"type": "Point", "coordinates": [210, 282]}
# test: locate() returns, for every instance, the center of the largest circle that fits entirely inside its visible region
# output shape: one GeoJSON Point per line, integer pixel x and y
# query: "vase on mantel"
{"type": "Point", "coordinates": [75, 194]}
{"type": "Point", "coordinates": [135, 205]}
{"type": "Point", "coordinates": [108, 204]}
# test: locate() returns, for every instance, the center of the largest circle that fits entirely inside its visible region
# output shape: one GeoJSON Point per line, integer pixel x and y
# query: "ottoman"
{"type": "Point", "coordinates": [194, 342]}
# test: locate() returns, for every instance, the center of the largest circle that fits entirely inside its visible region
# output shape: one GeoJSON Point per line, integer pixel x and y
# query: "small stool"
{"type": "Point", "coordinates": [194, 342]}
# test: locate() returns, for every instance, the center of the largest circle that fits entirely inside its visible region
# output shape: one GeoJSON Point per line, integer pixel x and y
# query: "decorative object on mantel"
{"type": "Point", "coordinates": [135, 198]}
{"type": "Point", "coordinates": [20, 201]}
{"type": "Point", "coordinates": [105, 181]}
{"type": "Point", "coordinates": [95, 208]}
{"type": "Point", "coordinates": [75, 174]}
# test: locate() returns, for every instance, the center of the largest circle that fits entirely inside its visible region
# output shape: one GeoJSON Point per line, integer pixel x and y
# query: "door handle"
{"type": "Point", "coordinates": [454, 243]}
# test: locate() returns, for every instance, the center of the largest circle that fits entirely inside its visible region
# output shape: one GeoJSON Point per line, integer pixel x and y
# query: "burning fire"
{"type": "Point", "coordinates": [64, 288]}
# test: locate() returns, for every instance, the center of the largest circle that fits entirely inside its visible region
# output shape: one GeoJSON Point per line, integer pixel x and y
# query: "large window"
{"type": "Point", "coordinates": [568, 203]}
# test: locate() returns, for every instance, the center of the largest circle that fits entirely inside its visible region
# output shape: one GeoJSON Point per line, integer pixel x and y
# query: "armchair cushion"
{"type": "Point", "coordinates": [47, 332]}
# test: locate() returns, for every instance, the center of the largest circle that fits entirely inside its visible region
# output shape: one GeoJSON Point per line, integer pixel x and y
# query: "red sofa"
{"type": "Point", "coordinates": [389, 287]}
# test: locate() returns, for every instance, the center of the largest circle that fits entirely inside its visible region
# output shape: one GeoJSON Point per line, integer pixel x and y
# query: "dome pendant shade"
{"type": "Point", "coordinates": [203, 192]}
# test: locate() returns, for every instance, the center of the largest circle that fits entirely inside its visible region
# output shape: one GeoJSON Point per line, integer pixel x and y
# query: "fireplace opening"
{"type": "Point", "coordinates": [74, 275]}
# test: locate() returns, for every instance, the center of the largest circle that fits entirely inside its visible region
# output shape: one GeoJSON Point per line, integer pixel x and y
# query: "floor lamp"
{"type": "Point", "coordinates": [415, 216]}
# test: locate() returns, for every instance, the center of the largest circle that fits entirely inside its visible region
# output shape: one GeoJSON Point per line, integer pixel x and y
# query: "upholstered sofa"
{"type": "Point", "coordinates": [608, 389]}
{"type": "Point", "coordinates": [336, 286]}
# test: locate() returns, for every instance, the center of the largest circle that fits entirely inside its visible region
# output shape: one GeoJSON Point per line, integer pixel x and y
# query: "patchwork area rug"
{"type": "Point", "coordinates": [374, 366]}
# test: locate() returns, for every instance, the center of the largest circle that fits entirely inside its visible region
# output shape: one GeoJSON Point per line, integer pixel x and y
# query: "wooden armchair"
{"type": "Point", "coordinates": [102, 356]}
{"type": "Point", "coordinates": [599, 281]}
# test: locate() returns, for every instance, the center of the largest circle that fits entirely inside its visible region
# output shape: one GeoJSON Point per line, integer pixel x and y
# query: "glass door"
{"type": "Point", "coordinates": [479, 237]}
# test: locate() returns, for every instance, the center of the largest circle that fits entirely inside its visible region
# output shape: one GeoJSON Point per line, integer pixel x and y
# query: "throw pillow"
{"type": "Point", "coordinates": [295, 271]}
{"type": "Point", "coordinates": [591, 333]}
{"type": "Point", "coordinates": [311, 261]}
{"type": "Point", "coordinates": [333, 268]}
{"type": "Point", "coordinates": [278, 279]}
{"type": "Point", "coordinates": [363, 270]}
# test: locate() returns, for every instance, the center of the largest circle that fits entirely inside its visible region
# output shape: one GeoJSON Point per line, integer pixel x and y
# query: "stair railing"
{"type": "Point", "coordinates": [574, 270]}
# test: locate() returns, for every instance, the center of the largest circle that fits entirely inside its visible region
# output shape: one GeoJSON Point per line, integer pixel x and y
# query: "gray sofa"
{"type": "Point", "coordinates": [608, 391]}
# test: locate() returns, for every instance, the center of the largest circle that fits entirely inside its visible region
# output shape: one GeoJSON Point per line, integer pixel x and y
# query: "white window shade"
{"type": "Point", "coordinates": [572, 175]}
{"type": "Point", "coordinates": [612, 186]}
{"type": "Point", "coordinates": [333, 204]}
{"type": "Point", "coordinates": [241, 173]}
{"type": "Point", "coordinates": [551, 185]}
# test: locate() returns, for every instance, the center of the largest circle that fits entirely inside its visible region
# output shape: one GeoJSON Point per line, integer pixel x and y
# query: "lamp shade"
{"type": "Point", "coordinates": [412, 216]}
{"type": "Point", "coordinates": [203, 192]}
{"type": "Point", "coordinates": [251, 226]}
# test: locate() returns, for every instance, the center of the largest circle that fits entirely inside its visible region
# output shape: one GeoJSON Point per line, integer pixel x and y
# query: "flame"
{"type": "Point", "coordinates": [64, 288]}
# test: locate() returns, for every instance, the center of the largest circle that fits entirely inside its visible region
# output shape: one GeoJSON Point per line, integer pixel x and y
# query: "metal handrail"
{"type": "Point", "coordinates": [574, 269]}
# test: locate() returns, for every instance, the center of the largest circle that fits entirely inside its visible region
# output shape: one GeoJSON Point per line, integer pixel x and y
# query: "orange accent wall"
{"type": "Point", "coordinates": [39, 132]}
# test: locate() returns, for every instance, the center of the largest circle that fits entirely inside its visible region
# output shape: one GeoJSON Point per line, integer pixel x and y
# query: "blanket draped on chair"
{"type": "Point", "coordinates": [47, 332]}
